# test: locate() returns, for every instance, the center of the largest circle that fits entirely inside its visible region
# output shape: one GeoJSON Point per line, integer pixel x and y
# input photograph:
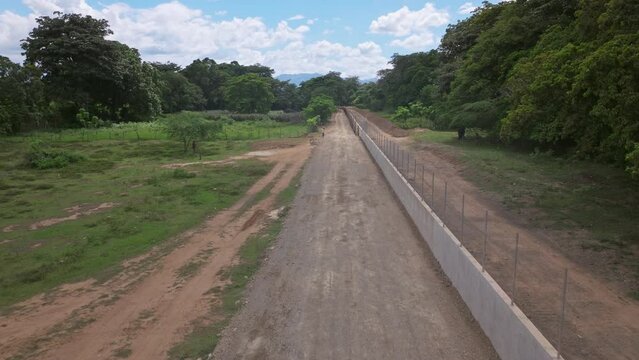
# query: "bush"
{"type": "Point", "coordinates": [321, 106]}
{"type": "Point", "coordinates": [41, 156]}
{"type": "Point", "coordinates": [632, 158]}
{"type": "Point", "coordinates": [188, 127]}
{"type": "Point", "coordinates": [86, 120]}
{"type": "Point", "coordinates": [415, 115]}
{"type": "Point", "coordinates": [312, 123]}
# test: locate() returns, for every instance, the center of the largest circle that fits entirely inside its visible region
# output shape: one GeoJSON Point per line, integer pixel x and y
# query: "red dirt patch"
{"type": "Point", "coordinates": [276, 144]}
{"type": "Point", "coordinates": [75, 211]}
{"type": "Point", "coordinates": [9, 228]}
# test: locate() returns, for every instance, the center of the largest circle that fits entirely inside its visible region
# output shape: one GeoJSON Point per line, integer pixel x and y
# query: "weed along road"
{"type": "Point", "coordinates": [349, 277]}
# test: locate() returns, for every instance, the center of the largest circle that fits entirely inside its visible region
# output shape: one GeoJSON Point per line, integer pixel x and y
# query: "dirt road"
{"type": "Point", "coordinates": [601, 321]}
{"type": "Point", "coordinates": [151, 304]}
{"type": "Point", "coordinates": [349, 278]}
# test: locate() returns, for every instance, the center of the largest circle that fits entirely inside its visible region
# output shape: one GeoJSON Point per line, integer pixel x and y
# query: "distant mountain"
{"type": "Point", "coordinates": [297, 78]}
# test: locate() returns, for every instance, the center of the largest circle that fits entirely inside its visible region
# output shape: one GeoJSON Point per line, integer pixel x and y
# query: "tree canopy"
{"type": "Point", "coordinates": [560, 75]}
{"type": "Point", "coordinates": [249, 93]}
{"type": "Point", "coordinates": [321, 106]}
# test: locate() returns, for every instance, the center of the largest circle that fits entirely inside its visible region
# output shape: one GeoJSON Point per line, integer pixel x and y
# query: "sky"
{"type": "Point", "coordinates": [356, 38]}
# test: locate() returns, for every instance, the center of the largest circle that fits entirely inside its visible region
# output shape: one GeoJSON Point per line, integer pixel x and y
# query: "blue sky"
{"type": "Point", "coordinates": [353, 37]}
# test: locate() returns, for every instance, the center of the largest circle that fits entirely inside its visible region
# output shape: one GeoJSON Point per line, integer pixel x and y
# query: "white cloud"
{"type": "Point", "coordinates": [362, 60]}
{"type": "Point", "coordinates": [414, 27]}
{"type": "Point", "coordinates": [296, 17]}
{"type": "Point", "coordinates": [405, 22]}
{"type": "Point", "coordinates": [172, 31]}
{"type": "Point", "coordinates": [466, 8]}
{"type": "Point", "coordinates": [415, 42]}
{"type": "Point", "coordinates": [13, 28]}
{"type": "Point", "coordinates": [221, 12]}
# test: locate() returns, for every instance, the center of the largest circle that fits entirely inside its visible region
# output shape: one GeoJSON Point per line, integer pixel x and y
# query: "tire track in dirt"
{"type": "Point", "coordinates": [601, 321]}
{"type": "Point", "coordinates": [148, 307]}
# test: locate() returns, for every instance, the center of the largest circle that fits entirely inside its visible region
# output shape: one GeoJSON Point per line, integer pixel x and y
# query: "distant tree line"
{"type": "Point", "coordinates": [73, 76]}
{"type": "Point", "coordinates": [559, 75]}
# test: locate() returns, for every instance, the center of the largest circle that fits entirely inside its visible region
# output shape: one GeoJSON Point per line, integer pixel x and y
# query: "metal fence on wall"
{"type": "Point", "coordinates": [497, 252]}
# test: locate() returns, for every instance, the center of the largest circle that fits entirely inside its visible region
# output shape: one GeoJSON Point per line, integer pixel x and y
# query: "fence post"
{"type": "Point", "coordinates": [563, 313]}
{"type": "Point", "coordinates": [423, 182]}
{"type": "Point", "coordinates": [462, 219]}
{"type": "Point", "coordinates": [483, 261]}
{"type": "Point", "coordinates": [407, 168]}
{"type": "Point", "coordinates": [445, 199]}
{"type": "Point", "coordinates": [432, 188]}
{"type": "Point", "coordinates": [512, 298]}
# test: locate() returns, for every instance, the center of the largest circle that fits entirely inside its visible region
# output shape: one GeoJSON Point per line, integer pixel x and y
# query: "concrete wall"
{"type": "Point", "coordinates": [510, 331]}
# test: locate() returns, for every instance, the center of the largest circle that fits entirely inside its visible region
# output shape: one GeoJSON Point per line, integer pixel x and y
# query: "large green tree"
{"type": "Point", "coordinates": [321, 106]}
{"type": "Point", "coordinates": [287, 96]}
{"type": "Point", "coordinates": [84, 70]}
{"type": "Point", "coordinates": [13, 97]}
{"type": "Point", "coordinates": [249, 93]}
{"type": "Point", "coordinates": [341, 90]}
{"type": "Point", "coordinates": [177, 92]}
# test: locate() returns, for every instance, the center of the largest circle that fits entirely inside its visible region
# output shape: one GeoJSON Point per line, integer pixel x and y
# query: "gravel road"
{"type": "Point", "coordinates": [349, 278]}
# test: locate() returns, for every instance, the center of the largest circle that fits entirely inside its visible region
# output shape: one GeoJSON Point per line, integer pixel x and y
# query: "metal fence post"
{"type": "Point", "coordinates": [483, 261]}
{"type": "Point", "coordinates": [512, 298]}
{"type": "Point", "coordinates": [445, 198]}
{"type": "Point", "coordinates": [563, 313]}
{"type": "Point", "coordinates": [415, 170]}
{"type": "Point", "coordinates": [462, 219]}
{"type": "Point", "coordinates": [423, 182]}
{"type": "Point", "coordinates": [432, 188]}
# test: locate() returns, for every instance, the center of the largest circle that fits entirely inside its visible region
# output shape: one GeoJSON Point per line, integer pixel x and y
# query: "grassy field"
{"type": "Point", "coordinates": [205, 336]}
{"type": "Point", "coordinates": [571, 194]}
{"type": "Point", "coordinates": [237, 130]}
{"type": "Point", "coordinates": [144, 204]}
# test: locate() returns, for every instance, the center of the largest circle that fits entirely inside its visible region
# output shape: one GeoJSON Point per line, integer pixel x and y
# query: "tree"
{"type": "Point", "coordinates": [188, 127]}
{"type": "Point", "coordinates": [405, 82]}
{"type": "Point", "coordinates": [177, 92]}
{"type": "Point", "coordinates": [249, 93]}
{"type": "Point", "coordinates": [81, 69]}
{"type": "Point", "coordinates": [207, 75]}
{"type": "Point", "coordinates": [13, 97]}
{"type": "Point", "coordinates": [322, 106]}
{"type": "Point", "coordinates": [332, 85]}
{"type": "Point", "coordinates": [287, 96]}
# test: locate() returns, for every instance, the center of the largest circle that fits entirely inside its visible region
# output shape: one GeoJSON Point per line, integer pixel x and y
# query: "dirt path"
{"type": "Point", "coordinates": [349, 277]}
{"type": "Point", "coordinates": [150, 306]}
{"type": "Point", "coordinates": [602, 323]}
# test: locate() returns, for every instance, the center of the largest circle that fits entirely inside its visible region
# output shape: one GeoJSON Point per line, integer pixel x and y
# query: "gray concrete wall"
{"type": "Point", "coordinates": [512, 334]}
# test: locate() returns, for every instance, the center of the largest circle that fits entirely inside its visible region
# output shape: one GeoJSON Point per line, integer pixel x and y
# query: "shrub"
{"type": "Point", "coordinates": [312, 123]}
{"type": "Point", "coordinates": [322, 106]}
{"type": "Point", "coordinates": [41, 156]}
{"type": "Point", "coordinates": [632, 158]}
{"type": "Point", "coordinates": [188, 127]}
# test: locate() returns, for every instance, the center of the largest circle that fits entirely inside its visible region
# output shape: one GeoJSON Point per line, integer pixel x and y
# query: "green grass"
{"type": "Point", "coordinates": [152, 205]}
{"type": "Point", "coordinates": [205, 336]}
{"type": "Point", "coordinates": [237, 130]}
{"type": "Point", "coordinates": [571, 194]}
